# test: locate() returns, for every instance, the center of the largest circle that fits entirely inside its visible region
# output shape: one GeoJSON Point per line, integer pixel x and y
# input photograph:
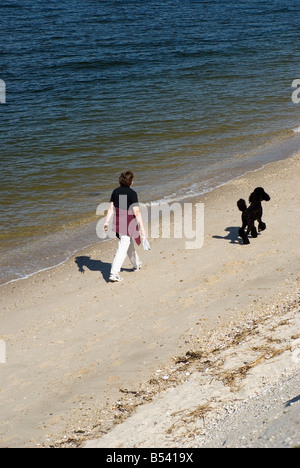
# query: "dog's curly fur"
{"type": "Point", "coordinates": [252, 213]}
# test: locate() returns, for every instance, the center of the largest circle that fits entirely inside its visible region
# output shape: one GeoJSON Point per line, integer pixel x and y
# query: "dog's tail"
{"type": "Point", "coordinates": [242, 205]}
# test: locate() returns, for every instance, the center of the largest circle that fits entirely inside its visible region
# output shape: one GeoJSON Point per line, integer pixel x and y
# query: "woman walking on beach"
{"type": "Point", "coordinates": [124, 206]}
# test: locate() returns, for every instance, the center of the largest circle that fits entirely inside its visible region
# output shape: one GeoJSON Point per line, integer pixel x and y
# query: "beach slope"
{"type": "Point", "coordinates": [76, 344]}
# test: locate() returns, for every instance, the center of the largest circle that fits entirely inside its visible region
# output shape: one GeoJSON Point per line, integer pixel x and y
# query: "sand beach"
{"type": "Point", "coordinates": [184, 352]}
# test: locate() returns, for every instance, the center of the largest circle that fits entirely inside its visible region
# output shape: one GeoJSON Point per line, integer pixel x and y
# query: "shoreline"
{"type": "Point", "coordinates": [89, 225]}
{"type": "Point", "coordinates": [74, 340]}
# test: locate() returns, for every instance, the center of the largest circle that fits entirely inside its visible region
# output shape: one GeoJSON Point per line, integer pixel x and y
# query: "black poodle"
{"type": "Point", "coordinates": [252, 213]}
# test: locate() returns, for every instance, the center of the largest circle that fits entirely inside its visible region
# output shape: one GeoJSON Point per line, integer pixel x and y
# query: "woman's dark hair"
{"type": "Point", "coordinates": [126, 179]}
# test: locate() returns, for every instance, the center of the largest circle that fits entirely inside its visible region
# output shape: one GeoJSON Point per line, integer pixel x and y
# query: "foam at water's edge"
{"type": "Point", "coordinates": [147, 205]}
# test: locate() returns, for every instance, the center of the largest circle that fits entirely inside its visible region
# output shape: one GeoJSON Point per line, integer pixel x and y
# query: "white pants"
{"type": "Point", "coordinates": [126, 246]}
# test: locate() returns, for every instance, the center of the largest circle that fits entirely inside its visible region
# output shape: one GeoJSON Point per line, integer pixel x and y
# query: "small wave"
{"type": "Point", "coordinates": [296, 130]}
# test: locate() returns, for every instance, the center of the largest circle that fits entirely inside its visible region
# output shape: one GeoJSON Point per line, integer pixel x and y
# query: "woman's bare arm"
{"type": "Point", "coordinates": [109, 215]}
{"type": "Point", "coordinates": [138, 215]}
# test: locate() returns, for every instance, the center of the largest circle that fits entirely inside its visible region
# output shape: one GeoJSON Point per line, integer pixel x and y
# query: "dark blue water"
{"type": "Point", "coordinates": [186, 93]}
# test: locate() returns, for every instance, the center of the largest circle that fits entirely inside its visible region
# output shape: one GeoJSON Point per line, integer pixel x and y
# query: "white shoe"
{"type": "Point", "coordinates": [138, 267]}
{"type": "Point", "coordinates": [115, 278]}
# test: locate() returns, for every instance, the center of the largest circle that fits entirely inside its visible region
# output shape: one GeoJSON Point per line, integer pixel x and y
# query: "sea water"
{"type": "Point", "coordinates": [187, 94]}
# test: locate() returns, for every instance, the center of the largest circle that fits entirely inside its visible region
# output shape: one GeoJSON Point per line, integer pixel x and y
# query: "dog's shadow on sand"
{"type": "Point", "coordinates": [232, 236]}
{"type": "Point", "coordinates": [85, 262]}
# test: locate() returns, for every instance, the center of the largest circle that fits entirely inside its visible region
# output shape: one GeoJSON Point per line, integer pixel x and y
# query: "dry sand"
{"type": "Point", "coordinates": [172, 353]}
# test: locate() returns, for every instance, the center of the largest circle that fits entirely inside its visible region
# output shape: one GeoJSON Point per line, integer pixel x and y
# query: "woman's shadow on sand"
{"type": "Point", "coordinates": [95, 265]}
{"type": "Point", "coordinates": [232, 236]}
